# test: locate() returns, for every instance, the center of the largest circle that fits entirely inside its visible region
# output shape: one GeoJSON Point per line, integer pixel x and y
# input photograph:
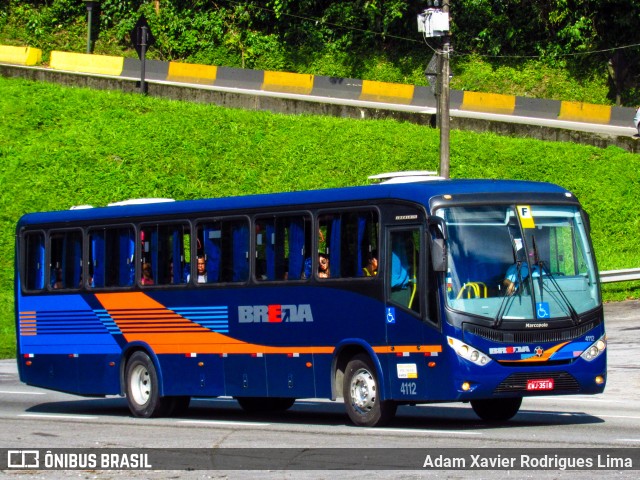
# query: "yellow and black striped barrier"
{"type": "Point", "coordinates": [306, 84]}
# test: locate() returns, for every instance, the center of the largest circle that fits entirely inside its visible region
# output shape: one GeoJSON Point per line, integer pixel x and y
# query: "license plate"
{"type": "Point", "coordinates": [540, 384]}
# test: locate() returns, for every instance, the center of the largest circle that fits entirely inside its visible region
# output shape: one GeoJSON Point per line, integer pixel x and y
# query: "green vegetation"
{"type": "Point", "coordinates": [69, 146]}
{"type": "Point", "coordinates": [541, 49]}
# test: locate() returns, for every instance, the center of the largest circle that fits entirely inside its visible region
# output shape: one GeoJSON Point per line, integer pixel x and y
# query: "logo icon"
{"type": "Point", "coordinates": [542, 310]}
{"type": "Point", "coordinates": [391, 315]}
{"type": "Point", "coordinates": [539, 351]}
{"type": "Point", "coordinates": [23, 459]}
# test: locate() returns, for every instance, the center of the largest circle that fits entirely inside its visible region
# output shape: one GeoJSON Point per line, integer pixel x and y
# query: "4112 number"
{"type": "Point", "coordinates": [408, 388]}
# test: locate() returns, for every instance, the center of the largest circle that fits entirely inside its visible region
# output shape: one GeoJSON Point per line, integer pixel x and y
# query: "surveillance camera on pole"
{"type": "Point", "coordinates": [434, 22]}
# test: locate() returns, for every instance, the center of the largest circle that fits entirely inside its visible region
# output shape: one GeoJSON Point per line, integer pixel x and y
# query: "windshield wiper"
{"type": "Point", "coordinates": [508, 297]}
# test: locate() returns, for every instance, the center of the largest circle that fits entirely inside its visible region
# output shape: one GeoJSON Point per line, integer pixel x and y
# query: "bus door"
{"type": "Point", "coordinates": [405, 305]}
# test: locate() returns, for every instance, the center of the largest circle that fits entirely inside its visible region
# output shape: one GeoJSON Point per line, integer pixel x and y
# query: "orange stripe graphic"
{"type": "Point", "coordinates": [135, 314]}
{"type": "Point", "coordinates": [543, 358]}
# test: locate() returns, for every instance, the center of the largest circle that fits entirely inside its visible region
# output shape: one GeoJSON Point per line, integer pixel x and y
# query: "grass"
{"type": "Point", "coordinates": [63, 146]}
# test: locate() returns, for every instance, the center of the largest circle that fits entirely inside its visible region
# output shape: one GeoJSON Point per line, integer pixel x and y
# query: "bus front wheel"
{"type": "Point", "coordinates": [361, 391]}
{"type": "Point", "coordinates": [142, 388]}
{"type": "Point", "coordinates": [496, 409]}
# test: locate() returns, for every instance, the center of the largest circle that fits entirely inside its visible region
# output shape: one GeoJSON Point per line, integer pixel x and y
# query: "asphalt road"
{"type": "Point", "coordinates": [35, 418]}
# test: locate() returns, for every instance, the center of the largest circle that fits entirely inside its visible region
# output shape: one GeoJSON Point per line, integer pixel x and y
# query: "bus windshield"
{"type": "Point", "coordinates": [519, 262]}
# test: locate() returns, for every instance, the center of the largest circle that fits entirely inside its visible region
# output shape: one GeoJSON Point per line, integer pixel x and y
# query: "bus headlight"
{"type": "Point", "coordinates": [468, 353]}
{"type": "Point", "coordinates": [595, 349]}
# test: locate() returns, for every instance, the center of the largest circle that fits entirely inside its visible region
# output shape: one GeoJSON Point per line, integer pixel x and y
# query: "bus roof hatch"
{"type": "Point", "coordinates": [409, 176]}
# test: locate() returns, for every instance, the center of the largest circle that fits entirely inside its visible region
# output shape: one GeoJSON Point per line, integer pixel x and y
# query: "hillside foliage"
{"type": "Point", "coordinates": [63, 146]}
{"type": "Point", "coordinates": [580, 50]}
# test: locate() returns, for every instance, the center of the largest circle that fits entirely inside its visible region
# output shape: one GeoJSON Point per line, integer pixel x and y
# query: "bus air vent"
{"type": "Point", "coordinates": [522, 336]}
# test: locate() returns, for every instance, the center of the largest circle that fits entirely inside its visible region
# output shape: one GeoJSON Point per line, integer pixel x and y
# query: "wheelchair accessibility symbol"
{"type": "Point", "coordinates": [391, 315]}
{"type": "Point", "coordinates": [542, 310]}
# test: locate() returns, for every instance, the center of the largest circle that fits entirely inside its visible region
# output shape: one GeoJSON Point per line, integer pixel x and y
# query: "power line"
{"type": "Point", "coordinates": [324, 22]}
{"type": "Point", "coordinates": [413, 40]}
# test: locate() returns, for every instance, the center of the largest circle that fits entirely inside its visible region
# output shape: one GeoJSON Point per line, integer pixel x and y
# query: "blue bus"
{"type": "Point", "coordinates": [403, 292]}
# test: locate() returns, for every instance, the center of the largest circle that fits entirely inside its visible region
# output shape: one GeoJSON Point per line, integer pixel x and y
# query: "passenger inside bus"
{"type": "Point", "coordinates": [371, 268]}
{"type": "Point", "coordinates": [323, 266]}
{"type": "Point", "coordinates": [58, 279]}
{"type": "Point", "coordinates": [202, 270]}
{"type": "Point", "coordinates": [147, 275]}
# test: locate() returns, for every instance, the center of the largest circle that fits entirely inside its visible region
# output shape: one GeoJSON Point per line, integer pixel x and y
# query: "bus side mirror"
{"type": "Point", "coordinates": [437, 234]}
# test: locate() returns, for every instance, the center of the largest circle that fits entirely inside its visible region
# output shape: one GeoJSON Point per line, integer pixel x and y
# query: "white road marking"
{"type": "Point", "coordinates": [413, 431]}
{"type": "Point", "coordinates": [71, 417]}
{"type": "Point", "coordinates": [22, 393]}
{"type": "Point", "coordinates": [226, 423]}
{"type": "Point", "coordinates": [575, 399]}
{"type": "Point", "coordinates": [620, 416]}
{"type": "Point", "coordinates": [572, 414]}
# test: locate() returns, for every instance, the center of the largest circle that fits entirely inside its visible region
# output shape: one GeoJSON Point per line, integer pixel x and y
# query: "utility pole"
{"type": "Point", "coordinates": [91, 6]}
{"type": "Point", "coordinates": [444, 100]}
{"type": "Point", "coordinates": [434, 22]}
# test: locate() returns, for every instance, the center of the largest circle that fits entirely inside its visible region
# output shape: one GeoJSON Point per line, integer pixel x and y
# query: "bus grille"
{"type": "Point", "coordinates": [537, 336]}
{"type": "Point", "coordinates": [517, 382]}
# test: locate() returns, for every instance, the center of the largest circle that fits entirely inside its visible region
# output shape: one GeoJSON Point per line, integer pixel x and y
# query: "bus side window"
{"type": "Point", "coordinates": [34, 260]}
{"type": "Point", "coordinates": [224, 247]}
{"type": "Point", "coordinates": [65, 260]}
{"type": "Point", "coordinates": [349, 240]}
{"type": "Point", "coordinates": [404, 268]}
{"type": "Point", "coordinates": [112, 252]}
{"type": "Point", "coordinates": [282, 244]}
{"type": "Point", "coordinates": [164, 254]}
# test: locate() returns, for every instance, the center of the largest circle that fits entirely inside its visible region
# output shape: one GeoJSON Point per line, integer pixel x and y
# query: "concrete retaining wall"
{"type": "Point", "coordinates": [303, 84]}
{"type": "Point", "coordinates": [104, 70]}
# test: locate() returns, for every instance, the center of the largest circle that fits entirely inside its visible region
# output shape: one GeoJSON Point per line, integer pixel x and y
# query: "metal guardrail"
{"type": "Point", "coordinates": [627, 275]}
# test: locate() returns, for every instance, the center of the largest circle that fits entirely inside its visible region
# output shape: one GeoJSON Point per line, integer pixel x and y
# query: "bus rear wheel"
{"type": "Point", "coordinates": [361, 391]}
{"type": "Point", "coordinates": [142, 388]}
{"type": "Point", "coordinates": [496, 409]}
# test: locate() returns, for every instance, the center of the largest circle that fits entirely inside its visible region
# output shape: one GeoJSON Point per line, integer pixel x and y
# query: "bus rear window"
{"type": "Point", "coordinates": [34, 261]}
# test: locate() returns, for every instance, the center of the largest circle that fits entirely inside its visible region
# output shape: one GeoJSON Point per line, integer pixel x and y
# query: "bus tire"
{"type": "Point", "coordinates": [361, 391]}
{"type": "Point", "coordinates": [265, 404]}
{"type": "Point", "coordinates": [496, 409]}
{"type": "Point", "coordinates": [143, 389]}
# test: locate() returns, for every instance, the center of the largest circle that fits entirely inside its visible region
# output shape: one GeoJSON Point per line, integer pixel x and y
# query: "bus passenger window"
{"type": "Point", "coordinates": [348, 241]}
{"type": "Point", "coordinates": [282, 244]}
{"type": "Point", "coordinates": [164, 255]}
{"type": "Point", "coordinates": [65, 260]}
{"type": "Point", "coordinates": [111, 257]}
{"type": "Point", "coordinates": [404, 272]}
{"type": "Point", "coordinates": [223, 251]}
{"type": "Point", "coordinates": [33, 251]}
